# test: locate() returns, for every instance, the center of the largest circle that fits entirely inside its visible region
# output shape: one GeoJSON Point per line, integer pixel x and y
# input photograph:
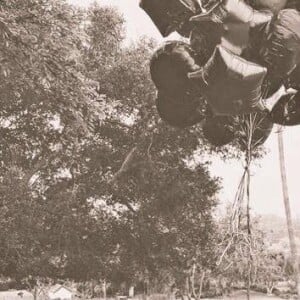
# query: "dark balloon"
{"type": "Point", "coordinates": [294, 79]}
{"type": "Point", "coordinates": [279, 44]}
{"type": "Point", "coordinates": [261, 127]}
{"type": "Point", "coordinates": [171, 15]}
{"type": "Point", "coordinates": [219, 130]}
{"type": "Point", "coordinates": [204, 39]}
{"type": "Point", "coordinates": [295, 4]}
{"type": "Point", "coordinates": [180, 110]}
{"type": "Point", "coordinates": [274, 5]}
{"type": "Point", "coordinates": [222, 130]}
{"type": "Point", "coordinates": [287, 111]}
{"type": "Point", "coordinates": [231, 29]}
{"type": "Point", "coordinates": [170, 65]}
{"type": "Point", "coordinates": [233, 85]}
{"type": "Point", "coordinates": [235, 37]}
{"type": "Point", "coordinates": [232, 11]}
{"type": "Point", "coordinates": [281, 48]}
{"type": "Point", "coordinates": [207, 35]}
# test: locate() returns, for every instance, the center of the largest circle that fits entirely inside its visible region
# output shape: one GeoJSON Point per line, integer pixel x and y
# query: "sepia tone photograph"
{"type": "Point", "coordinates": [149, 149]}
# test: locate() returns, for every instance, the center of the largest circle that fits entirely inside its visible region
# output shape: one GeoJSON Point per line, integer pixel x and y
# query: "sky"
{"type": "Point", "coordinates": [266, 192]}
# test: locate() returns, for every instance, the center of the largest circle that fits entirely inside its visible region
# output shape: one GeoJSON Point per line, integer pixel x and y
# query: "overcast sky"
{"type": "Point", "coordinates": [266, 193]}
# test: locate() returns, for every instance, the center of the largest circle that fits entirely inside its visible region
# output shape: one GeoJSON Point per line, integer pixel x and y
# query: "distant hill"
{"type": "Point", "coordinates": [275, 229]}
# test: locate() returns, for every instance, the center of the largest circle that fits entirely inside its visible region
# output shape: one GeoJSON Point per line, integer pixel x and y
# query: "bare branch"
{"type": "Point", "coordinates": [126, 166]}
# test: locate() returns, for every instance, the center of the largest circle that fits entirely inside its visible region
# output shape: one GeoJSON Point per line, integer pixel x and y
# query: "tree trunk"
{"type": "Point", "coordinates": [104, 289]}
{"type": "Point", "coordinates": [146, 292]}
{"type": "Point", "coordinates": [92, 288]}
{"type": "Point", "coordinates": [291, 232]}
{"type": "Point", "coordinates": [270, 289]}
{"type": "Point", "coordinates": [187, 287]}
{"type": "Point", "coordinates": [131, 292]}
{"type": "Point", "coordinates": [35, 292]}
{"type": "Point", "coordinates": [201, 285]}
{"type": "Point", "coordinates": [193, 281]}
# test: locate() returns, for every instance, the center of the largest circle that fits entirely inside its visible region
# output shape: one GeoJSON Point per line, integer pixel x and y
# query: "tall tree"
{"type": "Point", "coordinates": [290, 227]}
{"type": "Point", "coordinates": [93, 185]}
{"type": "Point", "coordinates": [45, 102]}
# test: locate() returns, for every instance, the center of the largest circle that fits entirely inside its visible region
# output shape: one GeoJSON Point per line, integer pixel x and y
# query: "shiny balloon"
{"type": "Point", "coordinates": [259, 124]}
{"type": "Point", "coordinates": [180, 110]}
{"type": "Point", "coordinates": [287, 111]}
{"type": "Point", "coordinates": [281, 48]}
{"type": "Point", "coordinates": [219, 130]}
{"type": "Point", "coordinates": [170, 65]}
{"type": "Point", "coordinates": [171, 15]}
{"type": "Point", "coordinates": [232, 84]}
{"type": "Point", "coordinates": [274, 5]}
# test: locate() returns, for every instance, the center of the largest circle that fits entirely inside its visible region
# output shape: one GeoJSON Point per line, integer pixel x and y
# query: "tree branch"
{"type": "Point", "coordinates": [126, 165]}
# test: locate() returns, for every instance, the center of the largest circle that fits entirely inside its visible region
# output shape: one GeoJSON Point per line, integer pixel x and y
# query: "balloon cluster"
{"type": "Point", "coordinates": [242, 57]}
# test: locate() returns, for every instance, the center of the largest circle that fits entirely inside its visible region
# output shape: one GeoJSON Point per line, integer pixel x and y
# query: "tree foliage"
{"type": "Point", "coordinates": [93, 185]}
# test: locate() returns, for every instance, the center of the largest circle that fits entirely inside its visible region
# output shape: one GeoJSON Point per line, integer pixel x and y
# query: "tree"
{"type": "Point", "coordinates": [93, 184]}
{"type": "Point", "coordinates": [45, 98]}
{"type": "Point", "coordinates": [288, 213]}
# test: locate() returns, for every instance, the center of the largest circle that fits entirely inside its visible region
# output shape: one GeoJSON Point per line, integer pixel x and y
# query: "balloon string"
{"type": "Point", "coordinates": [242, 194]}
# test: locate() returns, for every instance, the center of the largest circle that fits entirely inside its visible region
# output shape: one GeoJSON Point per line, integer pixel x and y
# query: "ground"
{"type": "Point", "coordinates": [241, 295]}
